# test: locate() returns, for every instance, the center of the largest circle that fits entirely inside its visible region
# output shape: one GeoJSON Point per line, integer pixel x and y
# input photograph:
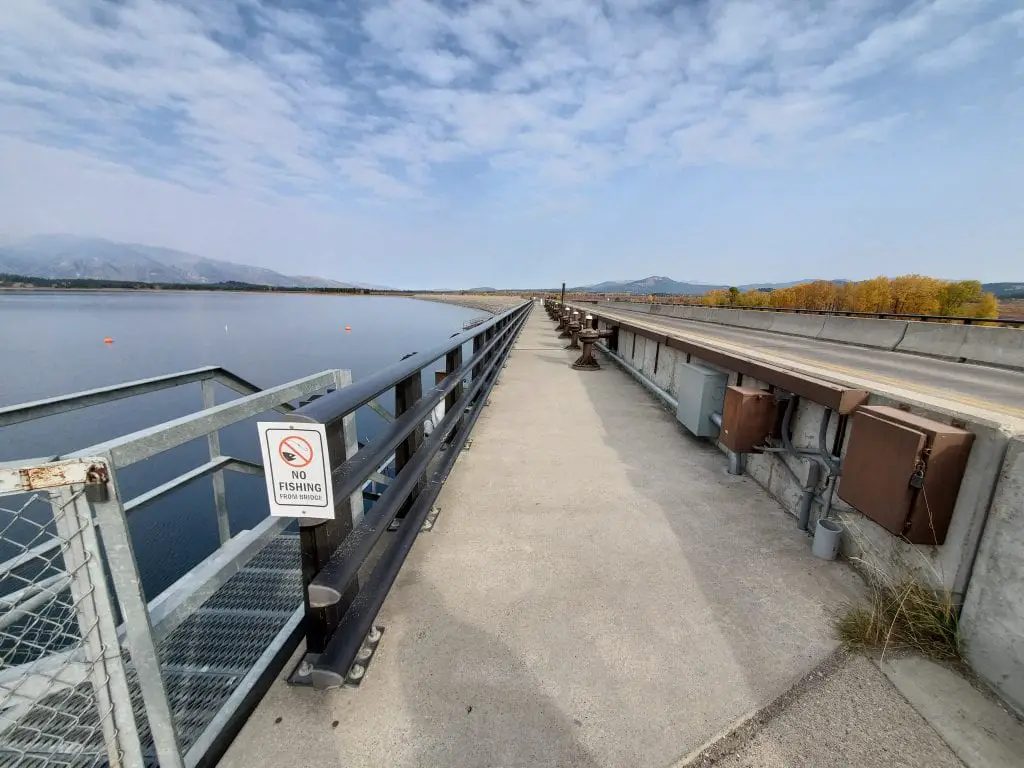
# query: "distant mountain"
{"type": "Point", "coordinates": [67, 257]}
{"type": "Point", "coordinates": [653, 284]}
{"type": "Point", "coordinates": [1004, 290]}
{"type": "Point", "coordinates": [667, 285]}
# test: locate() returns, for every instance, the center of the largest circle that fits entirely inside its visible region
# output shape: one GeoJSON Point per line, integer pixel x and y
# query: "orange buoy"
{"type": "Point", "coordinates": [348, 328]}
{"type": "Point", "coordinates": [108, 340]}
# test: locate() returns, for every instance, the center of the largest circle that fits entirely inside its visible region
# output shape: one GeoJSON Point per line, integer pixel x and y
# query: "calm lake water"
{"type": "Point", "coordinates": [52, 343]}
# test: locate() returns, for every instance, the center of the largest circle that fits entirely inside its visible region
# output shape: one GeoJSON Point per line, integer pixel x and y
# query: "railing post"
{"type": "Point", "coordinates": [407, 392]}
{"type": "Point", "coordinates": [452, 363]}
{"type": "Point", "coordinates": [124, 572]}
{"type": "Point", "coordinates": [220, 499]}
{"type": "Point", "coordinates": [478, 344]}
{"type": "Point", "coordinates": [318, 539]}
{"type": "Point", "coordinates": [350, 440]}
{"type": "Point", "coordinates": [94, 610]}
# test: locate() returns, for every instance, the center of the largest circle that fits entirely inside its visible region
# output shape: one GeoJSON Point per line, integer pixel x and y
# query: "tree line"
{"type": "Point", "coordinates": [905, 295]}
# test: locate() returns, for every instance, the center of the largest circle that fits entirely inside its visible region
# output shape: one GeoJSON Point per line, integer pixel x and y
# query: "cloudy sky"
{"type": "Point", "coordinates": [524, 142]}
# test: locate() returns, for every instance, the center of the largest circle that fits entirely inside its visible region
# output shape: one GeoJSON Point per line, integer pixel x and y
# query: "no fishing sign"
{"type": "Point", "coordinates": [297, 469]}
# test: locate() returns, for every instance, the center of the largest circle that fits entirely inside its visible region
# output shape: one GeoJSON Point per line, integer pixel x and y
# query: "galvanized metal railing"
{"type": "Point", "coordinates": [77, 687]}
{"type": "Point", "coordinates": [340, 610]}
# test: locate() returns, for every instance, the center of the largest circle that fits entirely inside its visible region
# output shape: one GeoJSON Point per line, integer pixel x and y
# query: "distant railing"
{"type": "Point", "coordinates": [949, 319]}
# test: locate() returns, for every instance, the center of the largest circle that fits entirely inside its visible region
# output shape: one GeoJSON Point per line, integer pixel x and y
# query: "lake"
{"type": "Point", "coordinates": [52, 343]}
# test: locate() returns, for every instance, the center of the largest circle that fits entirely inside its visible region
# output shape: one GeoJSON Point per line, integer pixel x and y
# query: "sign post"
{"type": "Point", "coordinates": [297, 468]}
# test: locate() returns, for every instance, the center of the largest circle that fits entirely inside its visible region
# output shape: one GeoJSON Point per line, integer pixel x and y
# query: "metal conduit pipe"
{"type": "Point", "coordinates": [832, 462]}
{"type": "Point", "coordinates": [653, 388]}
{"type": "Point", "coordinates": [737, 461]}
{"type": "Point", "coordinates": [813, 467]}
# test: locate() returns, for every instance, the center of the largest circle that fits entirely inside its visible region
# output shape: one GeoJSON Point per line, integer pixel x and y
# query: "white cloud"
{"type": "Point", "coordinates": [347, 102]}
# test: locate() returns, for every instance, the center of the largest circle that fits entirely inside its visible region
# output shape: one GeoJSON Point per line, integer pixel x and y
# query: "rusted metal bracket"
{"type": "Point", "coordinates": [52, 474]}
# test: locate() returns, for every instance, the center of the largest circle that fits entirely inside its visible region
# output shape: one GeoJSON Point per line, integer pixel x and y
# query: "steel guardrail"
{"type": "Point", "coordinates": [340, 611]}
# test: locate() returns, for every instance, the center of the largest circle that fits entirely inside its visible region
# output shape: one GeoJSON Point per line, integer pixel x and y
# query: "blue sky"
{"type": "Point", "coordinates": [516, 143]}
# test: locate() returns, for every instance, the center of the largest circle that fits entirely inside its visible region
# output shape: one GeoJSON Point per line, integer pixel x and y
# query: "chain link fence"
{"type": "Point", "coordinates": [60, 662]}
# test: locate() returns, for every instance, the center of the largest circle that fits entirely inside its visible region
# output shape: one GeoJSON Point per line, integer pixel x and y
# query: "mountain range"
{"type": "Point", "coordinates": [67, 257]}
{"type": "Point", "coordinates": [660, 284]}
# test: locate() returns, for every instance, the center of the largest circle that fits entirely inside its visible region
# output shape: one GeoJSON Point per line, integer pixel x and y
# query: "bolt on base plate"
{"type": "Point", "coordinates": [303, 672]}
{"type": "Point", "coordinates": [428, 522]}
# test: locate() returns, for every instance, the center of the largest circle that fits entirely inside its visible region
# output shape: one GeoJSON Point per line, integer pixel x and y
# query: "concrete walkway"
{"type": "Point", "coordinates": [597, 591]}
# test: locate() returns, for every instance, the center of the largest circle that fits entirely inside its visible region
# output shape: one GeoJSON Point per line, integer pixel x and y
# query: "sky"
{"type": "Point", "coordinates": [516, 143]}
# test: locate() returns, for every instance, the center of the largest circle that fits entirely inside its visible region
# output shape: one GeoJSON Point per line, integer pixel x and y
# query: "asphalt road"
{"type": "Point", "coordinates": [994, 389]}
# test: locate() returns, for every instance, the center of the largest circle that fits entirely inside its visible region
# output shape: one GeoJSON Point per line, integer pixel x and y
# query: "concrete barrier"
{"type": "Point", "coordinates": [975, 344]}
{"type": "Point", "coordinates": [702, 314]}
{"type": "Point", "coordinates": [934, 339]}
{"type": "Point", "coordinates": [993, 615]}
{"type": "Point", "coordinates": [995, 346]}
{"type": "Point", "coordinates": [741, 318]}
{"type": "Point", "coordinates": [797, 325]}
{"type": "Point", "coordinates": [880, 334]}
{"type": "Point", "coordinates": [676, 310]}
{"type": "Point", "coordinates": [1003, 347]}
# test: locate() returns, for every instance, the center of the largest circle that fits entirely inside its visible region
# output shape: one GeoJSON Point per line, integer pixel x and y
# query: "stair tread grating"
{"type": "Point", "coordinates": [253, 589]}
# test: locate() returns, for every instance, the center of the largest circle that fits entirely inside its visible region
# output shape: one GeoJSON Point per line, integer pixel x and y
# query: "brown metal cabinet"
{"type": "Point", "coordinates": [748, 418]}
{"type": "Point", "coordinates": [904, 471]}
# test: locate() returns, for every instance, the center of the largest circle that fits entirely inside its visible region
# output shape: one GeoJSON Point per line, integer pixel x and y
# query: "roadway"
{"type": "Point", "coordinates": [959, 385]}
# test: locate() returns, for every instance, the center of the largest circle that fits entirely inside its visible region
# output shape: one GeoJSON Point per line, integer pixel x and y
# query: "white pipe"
{"type": "Point", "coordinates": [657, 391]}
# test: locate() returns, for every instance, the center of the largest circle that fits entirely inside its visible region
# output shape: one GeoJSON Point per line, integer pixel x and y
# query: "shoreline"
{"type": "Point", "coordinates": [492, 304]}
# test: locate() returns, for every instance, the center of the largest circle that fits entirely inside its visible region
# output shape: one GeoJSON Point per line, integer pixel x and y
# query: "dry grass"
{"type": "Point", "coordinates": [904, 616]}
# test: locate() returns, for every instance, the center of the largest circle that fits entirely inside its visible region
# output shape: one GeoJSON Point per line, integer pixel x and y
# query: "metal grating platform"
{"type": "Point", "coordinates": [203, 660]}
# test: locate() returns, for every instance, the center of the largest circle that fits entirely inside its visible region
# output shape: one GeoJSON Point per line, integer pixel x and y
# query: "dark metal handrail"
{"type": "Point", "coordinates": [340, 611]}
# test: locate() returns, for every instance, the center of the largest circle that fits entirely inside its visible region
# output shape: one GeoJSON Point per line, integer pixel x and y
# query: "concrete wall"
{"type": "Point", "coordinates": [1003, 347]}
{"type": "Point", "coordinates": [993, 617]}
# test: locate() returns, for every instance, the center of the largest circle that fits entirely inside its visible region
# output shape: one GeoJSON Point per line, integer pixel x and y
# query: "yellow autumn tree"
{"type": "Point", "coordinates": [987, 305]}
{"type": "Point", "coordinates": [953, 297]}
{"type": "Point", "coordinates": [872, 295]}
{"type": "Point", "coordinates": [915, 295]}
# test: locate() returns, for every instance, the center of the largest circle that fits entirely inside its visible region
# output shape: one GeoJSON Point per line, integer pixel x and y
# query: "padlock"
{"type": "Point", "coordinates": [96, 489]}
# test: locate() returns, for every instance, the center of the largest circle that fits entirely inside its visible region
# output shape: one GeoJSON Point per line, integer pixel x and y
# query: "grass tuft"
{"type": "Point", "coordinates": [904, 616]}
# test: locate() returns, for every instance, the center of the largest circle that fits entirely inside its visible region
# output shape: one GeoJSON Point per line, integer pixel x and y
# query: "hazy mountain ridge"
{"type": "Point", "coordinates": [67, 257]}
{"type": "Point", "coordinates": [1004, 290]}
{"type": "Point", "coordinates": [661, 284]}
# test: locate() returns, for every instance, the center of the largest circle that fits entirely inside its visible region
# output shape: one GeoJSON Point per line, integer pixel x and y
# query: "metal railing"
{"type": "Point", "coordinates": [76, 688]}
{"type": "Point", "coordinates": [948, 319]}
{"type": "Point", "coordinates": [340, 610]}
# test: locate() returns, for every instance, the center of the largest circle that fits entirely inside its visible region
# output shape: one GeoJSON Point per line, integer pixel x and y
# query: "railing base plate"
{"type": "Point", "coordinates": [302, 675]}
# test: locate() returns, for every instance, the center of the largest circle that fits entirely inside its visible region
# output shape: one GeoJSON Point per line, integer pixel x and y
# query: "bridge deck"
{"type": "Point", "coordinates": [597, 591]}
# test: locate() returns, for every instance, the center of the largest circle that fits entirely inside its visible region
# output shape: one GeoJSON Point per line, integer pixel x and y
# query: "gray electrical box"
{"type": "Point", "coordinates": [701, 392]}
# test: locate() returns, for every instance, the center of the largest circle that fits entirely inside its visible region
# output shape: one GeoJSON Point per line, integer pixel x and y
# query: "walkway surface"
{"type": "Point", "coordinates": [997, 392]}
{"type": "Point", "coordinates": [597, 591]}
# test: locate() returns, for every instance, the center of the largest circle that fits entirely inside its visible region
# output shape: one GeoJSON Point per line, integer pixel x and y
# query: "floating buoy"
{"type": "Point", "coordinates": [348, 328]}
{"type": "Point", "coordinates": [108, 340]}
